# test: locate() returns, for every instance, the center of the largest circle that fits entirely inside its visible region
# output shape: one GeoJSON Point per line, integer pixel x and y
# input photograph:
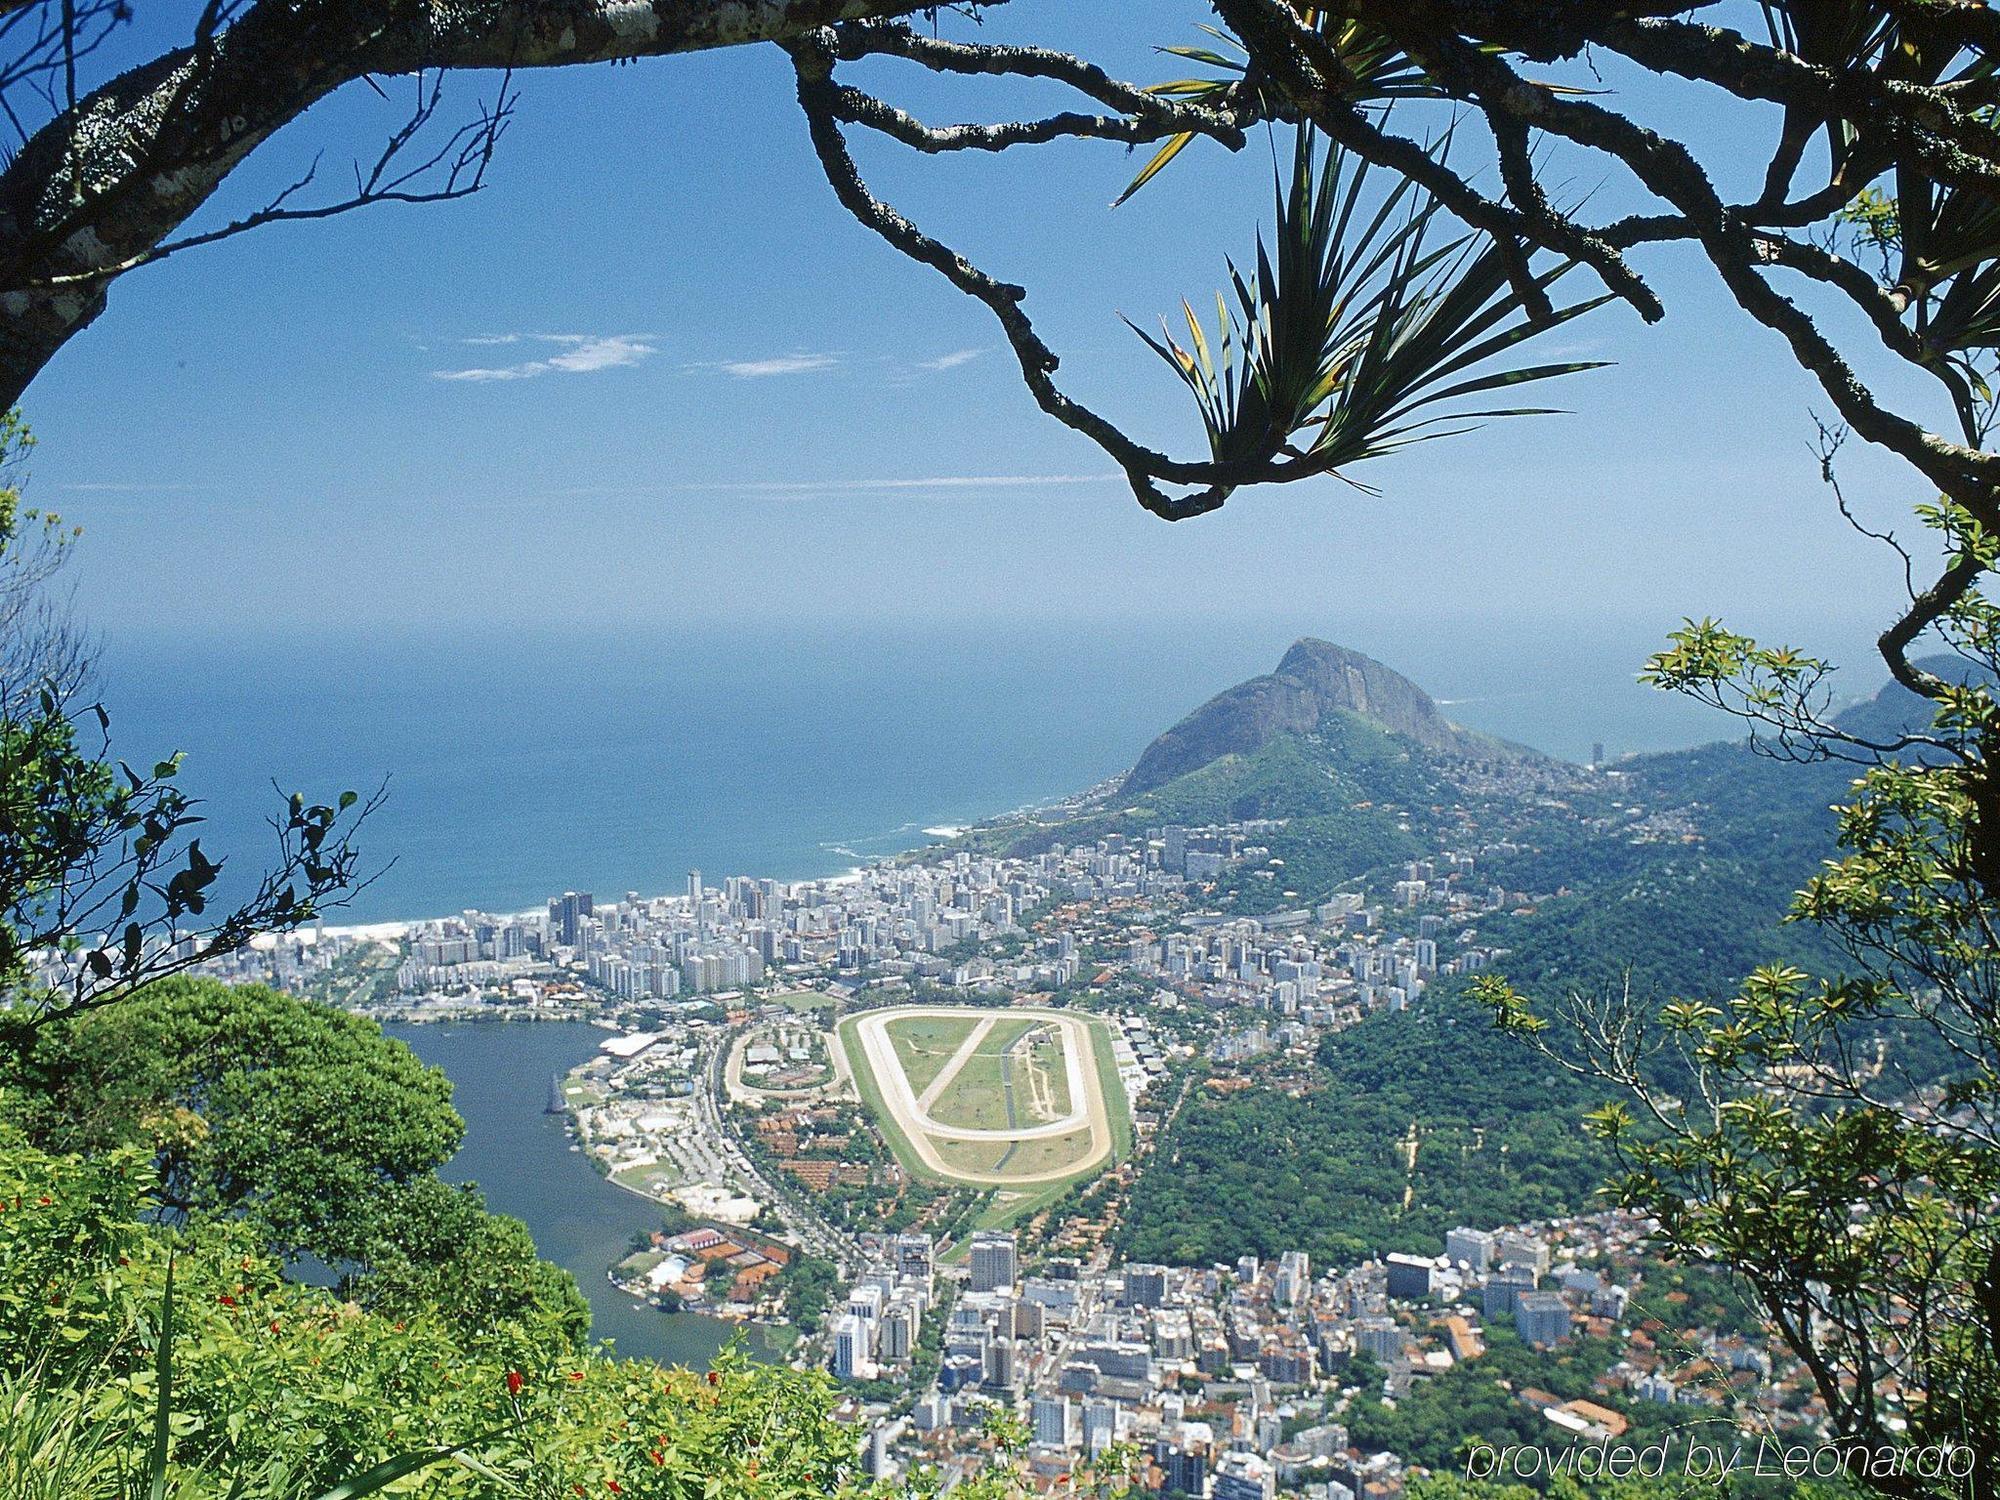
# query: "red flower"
{"type": "Point", "coordinates": [513, 1382]}
{"type": "Point", "coordinates": [576, 1374]}
{"type": "Point", "coordinates": [399, 1326]}
{"type": "Point", "coordinates": [45, 1200]}
{"type": "Point", "coordinates": [614, 1486]}
{"type": "Point", "coordinates": [226, 1300]}
{"type": "Point", "coordinates": [274, 1325]}
{"type": "Point", "coordinates": [657, 1456]}
{"type": "Point", "coordinates": [713, 1378]}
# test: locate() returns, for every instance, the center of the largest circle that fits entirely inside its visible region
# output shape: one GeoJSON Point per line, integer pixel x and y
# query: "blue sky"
{"type": "Point", "coordinates": [654, 374]}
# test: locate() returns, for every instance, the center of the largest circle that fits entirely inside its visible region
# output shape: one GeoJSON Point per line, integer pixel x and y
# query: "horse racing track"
{"type": "Point", "coordinates": [991, 1098]}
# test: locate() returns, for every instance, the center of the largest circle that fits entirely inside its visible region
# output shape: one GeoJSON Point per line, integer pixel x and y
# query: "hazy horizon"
{"type": "Point", "coordinates": [520, 764]}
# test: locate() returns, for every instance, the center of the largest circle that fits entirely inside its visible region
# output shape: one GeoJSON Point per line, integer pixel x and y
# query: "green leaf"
{"type": "Point", "coordinates": [163, 1379]}
{"type": "Point", "coordinates": [390, 1470]}
{"type": "Point", "coordinates": [1175, 144]}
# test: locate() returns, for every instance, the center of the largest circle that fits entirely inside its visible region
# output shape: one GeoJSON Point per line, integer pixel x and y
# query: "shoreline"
{"type": "Point", "coordinates": [394, 929]}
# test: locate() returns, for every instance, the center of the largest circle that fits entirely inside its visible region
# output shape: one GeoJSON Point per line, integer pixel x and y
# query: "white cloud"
{"type": "Point", "coordinates": [950, 361]}
{"type": "Point", "coordinates": [783, 364]}
{"type": "Point", "coordinates": [112, 487]}
{"type": "Point", "coordinates": [921, 482]}
{"type": "Point", "coordinates": [578, 354]}
{"type": "Point", "coordinates": [587, 354]}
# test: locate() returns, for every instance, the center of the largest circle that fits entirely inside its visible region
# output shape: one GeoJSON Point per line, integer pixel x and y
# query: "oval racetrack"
{"type": "Point", "coordinates": [911, 1112]}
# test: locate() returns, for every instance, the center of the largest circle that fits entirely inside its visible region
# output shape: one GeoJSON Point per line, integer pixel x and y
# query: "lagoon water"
{"type": "Point", "coordinates": [520, 1158]}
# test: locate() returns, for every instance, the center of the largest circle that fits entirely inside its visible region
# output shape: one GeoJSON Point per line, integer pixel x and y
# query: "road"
{"type": "Point", "coordinates": [814, 1233]}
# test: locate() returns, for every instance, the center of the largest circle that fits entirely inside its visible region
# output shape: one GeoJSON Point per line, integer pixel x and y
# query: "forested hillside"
{"type": "Point", "coordinates": [1320, 1160]}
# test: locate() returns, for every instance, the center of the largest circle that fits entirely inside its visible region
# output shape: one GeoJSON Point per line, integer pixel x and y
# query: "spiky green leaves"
{"type": "Point", "coordinates": [1373, 70]}
{"type": "Point", "coordinates": [1360, 329]}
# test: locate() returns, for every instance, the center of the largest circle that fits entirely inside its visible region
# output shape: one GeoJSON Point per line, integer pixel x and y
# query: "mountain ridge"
{"type": "Point", "coordinates": [1314, 679]}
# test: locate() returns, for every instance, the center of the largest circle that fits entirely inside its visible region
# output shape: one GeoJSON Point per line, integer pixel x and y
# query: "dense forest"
{"type": "Point", "coordinates": [1322, 1167]}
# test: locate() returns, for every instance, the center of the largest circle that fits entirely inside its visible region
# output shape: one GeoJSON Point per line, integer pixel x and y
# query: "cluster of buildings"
{"type": "Point", "coordinates": [1231, 1382]}
{"type": "Point", "coordinates": [1138, 908]}
{"type": "Point", "coordinates": [1120, 907]}
{"type": "Point", "coordinates": [712, 1266]}
{"type": "Point", "coordinates": [878, 1333]}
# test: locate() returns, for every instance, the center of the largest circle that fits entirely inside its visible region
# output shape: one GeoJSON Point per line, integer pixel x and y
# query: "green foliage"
{"type": "Point", "coordinates": [306, 1120]}
{"type": "Point", "coordinates": [808, 1283]}
{"type": "Point", "coordinates": [1323, 1170]}
{"type": "Point", "coordinates": [1354, 327]}
{"type": "Point", "coordinates": [1831, 1138]}
{"type": "Point", "coordinates": [1371, 68]}
{"type": "Point", "coordinates": [289, 1390]}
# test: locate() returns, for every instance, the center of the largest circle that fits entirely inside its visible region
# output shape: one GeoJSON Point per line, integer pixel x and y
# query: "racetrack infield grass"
{"type": "Point", "coordinates": [1021, 1158]}
{"type": "Point", "coordinates": [924, 1044]}
{"type": "Point", "coordinates": [976, 1097]}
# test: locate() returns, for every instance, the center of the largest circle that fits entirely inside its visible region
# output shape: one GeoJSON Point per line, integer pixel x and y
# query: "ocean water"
{"type": "Point", "coordinates": [518, 767]}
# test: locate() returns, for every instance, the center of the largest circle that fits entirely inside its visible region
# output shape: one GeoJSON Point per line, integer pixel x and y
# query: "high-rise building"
{"type": "Point", "coordinates": [1145, 1285]}
{"type": "Point", "coordinates": [1409, 1276]}
{"type": "Point", "coordinates": [1294, 1278]}
{"type": "Point", "coordinates": [1100, 1426]}
{"type": "Point", "coordinates": [899, 1329]}
{"type": "Point", "coordinates": [916, 1259]}
{"type": "Point", "coordinates": [999, 1370]}
{"type": "Point", "coordinates": [1541, 1317]}
{"type": "Point", "coordinates": [1243, 1476]}
{"type": "Point", "coordinates": [850, 1349]}
{"type": "Point", "coordinates": [567, 913]}
{"type": "Point", "coordinates": [1186, 1472]}
{"type": "Point", "coordinates": [1522, 1249]}
{"type": "Point", "coordinates": [1503, 1288]}
{"type": "Point", "coordinates": [1471, 1247]}
{"type": "Point", "coordinates": [1380, 1339]}
{"type": "Point", "coordinates": [1054, 1422]}
{"type": "Point", "coordinates": [992, 1260]}
{"type": "Point", "coordinates": [878, 1452]}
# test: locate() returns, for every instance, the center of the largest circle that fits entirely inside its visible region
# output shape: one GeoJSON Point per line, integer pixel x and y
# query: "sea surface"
{"type": "Point", "coordinates": [518, 767]}
{"type": "Point", "coordinates": [522, 1161]}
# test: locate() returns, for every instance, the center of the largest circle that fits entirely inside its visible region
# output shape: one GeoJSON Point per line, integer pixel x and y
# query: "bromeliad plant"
{"type": "Point", "coordinates": [1371, 70]}
{"type": "Point", "coordinates": [1360, 330]}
